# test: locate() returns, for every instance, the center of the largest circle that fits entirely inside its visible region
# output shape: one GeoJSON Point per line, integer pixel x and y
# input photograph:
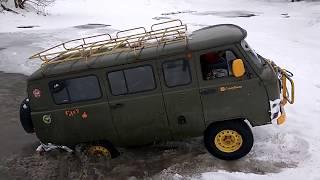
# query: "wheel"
{"type": "Point", "coordinates": [25, 116]}
{"type": "Point", "coordinates": [229, 140]}
{"type": "Point", "coordinates": [103, 149]}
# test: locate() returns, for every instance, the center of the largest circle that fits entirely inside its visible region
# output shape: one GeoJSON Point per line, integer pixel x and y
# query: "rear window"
{"type": "Point", "coordinates": [117, 83]}
{"type": "Point", "coordinates": [75, 90]}
{"type": "Point", "coordinates": [132, 80]}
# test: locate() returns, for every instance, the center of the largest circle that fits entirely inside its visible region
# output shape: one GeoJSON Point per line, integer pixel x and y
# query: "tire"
{"type": "Point", "coordinates": [228, 140]}
{"type": "Point", "coordinates": [25, 116]}
{"type": "Point", "coordinates": [102, 148]}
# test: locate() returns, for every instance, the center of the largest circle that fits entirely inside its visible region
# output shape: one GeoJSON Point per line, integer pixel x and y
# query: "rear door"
{"type": "Point", "coordinates": [225, 97]}
{"type": "Point", "coordinates": [78, 111]}
{"type": "Point", "coordinates": [136, 104]}
{"type": "Point", "coordinates": [181, 96]}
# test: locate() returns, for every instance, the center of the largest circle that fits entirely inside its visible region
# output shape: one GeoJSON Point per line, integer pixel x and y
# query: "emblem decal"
{"type": "Point", "coordinates": [224, 88]}
{"type": "Point", "coordinates": [76, 113]}
{"type": "Point", "coordinates": [71, 113]}
{"type": "Point", "coordinates": [46, 119]}
{"type": "Point", "coordinates": [36, 93]}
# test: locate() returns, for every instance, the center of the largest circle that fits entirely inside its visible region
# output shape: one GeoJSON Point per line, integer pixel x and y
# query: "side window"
{"type": "Point", "coordinates": [117, 83]}
{"type": "Point", "coordinates": [74, 90]}
{"type": "Point", "coordinates": [84, 88]}
{"type": "Point", "coordinates": [217, 64]}
{"type": "Point", "coordinates": [131, 80]}
{"type": "Point", "coordinates": [60, 97]}
{"type": "Point", "coordinates": [176, 73]}
{"type": "Point", "coordinates": [139, 79]}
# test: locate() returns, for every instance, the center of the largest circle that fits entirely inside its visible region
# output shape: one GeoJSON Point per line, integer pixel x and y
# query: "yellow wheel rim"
{"type": "Point", "coordinates": [99, 151]}
{"type": "Point", "coordinates": [228, 141]}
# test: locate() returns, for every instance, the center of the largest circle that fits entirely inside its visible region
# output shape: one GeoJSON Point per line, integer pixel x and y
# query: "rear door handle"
{"type": "Point", "coordinates": [116, 106]}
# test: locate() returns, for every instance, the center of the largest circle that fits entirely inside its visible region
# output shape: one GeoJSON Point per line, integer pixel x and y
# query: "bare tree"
{"type": "Point", "coordinates": [5, 8]}
{"type": "Point", "coordinates": [19, 3]}
{"type": "Point", "coordinates": [39, 5]}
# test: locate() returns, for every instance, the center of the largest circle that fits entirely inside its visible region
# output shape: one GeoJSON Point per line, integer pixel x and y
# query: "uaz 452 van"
{"type": "Point", "coordinates": [143, 86]}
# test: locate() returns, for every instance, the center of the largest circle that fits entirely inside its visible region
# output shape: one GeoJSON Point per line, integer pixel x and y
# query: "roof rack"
{"type": "Point", "coordinates": [128, 40]}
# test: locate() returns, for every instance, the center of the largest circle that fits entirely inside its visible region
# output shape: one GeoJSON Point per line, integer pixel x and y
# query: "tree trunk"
{"type": "Point", "coordinates": [19, 4]}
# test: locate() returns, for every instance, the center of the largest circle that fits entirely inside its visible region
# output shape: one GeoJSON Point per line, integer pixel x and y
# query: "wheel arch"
{"type": "Point", "coordinates": [213, 123]}
{"type": "Point", "coordinates": [105, 144]}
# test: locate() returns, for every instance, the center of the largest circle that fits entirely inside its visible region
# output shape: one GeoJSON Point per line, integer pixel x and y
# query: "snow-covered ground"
{"type": "Point", "coordinates": [285, 32]}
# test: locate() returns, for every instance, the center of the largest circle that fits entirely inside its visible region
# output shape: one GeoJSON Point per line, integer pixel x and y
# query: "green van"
{"type": "Point", "coordinates": [143, 86]}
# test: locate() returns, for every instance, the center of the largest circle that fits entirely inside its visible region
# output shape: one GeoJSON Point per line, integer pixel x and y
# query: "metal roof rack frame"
{"type": "Point", "coordinates": [163, 33]}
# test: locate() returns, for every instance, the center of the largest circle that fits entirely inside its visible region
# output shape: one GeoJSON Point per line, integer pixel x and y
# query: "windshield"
{"type": "Point", "coordinates": [253, 55]}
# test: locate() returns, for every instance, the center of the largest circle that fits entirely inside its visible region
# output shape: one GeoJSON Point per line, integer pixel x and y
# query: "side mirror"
{"type": "Point", "coordinates": [238, 69]}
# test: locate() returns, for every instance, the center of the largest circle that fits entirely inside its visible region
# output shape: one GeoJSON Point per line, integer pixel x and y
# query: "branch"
{"type": "Point", "coordinates": [40, 2]}
{"type": "Point", "coordinates": [8, 9]}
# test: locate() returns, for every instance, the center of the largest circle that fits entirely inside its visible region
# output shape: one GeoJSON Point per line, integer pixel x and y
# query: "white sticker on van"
{"type": "Point", "coordinates": [275, 109]}
{"type": "Point", "coordinates": [46, 119]}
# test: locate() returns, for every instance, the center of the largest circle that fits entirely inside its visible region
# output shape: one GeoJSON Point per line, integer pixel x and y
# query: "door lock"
{"type": "Point", "coordinates": [182, 120]}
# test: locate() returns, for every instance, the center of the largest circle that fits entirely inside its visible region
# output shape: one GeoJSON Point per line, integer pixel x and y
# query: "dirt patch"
{"type": "Point", "coordinates": [178, 12]}
{"type": "Point", "coordinates": [12, 136]}
{"type": "Point", "coordinates": [13, 139]}
{"type": "Point", "coordinates": [27, 27]}
{"type": "Point", "coordinates": [229, 14]}
{"type": "Point", "coordinates": [186, 159]}
{"type": "Point", "coordinates": [226, 14]}
{"type": "Point", "coordinates": [160, 18]}
{"type": "Point", "coordinates": [91, 26]}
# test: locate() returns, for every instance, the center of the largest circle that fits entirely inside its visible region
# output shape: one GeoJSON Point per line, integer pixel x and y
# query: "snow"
{"type": "Point", "coordinates": [285, 32]}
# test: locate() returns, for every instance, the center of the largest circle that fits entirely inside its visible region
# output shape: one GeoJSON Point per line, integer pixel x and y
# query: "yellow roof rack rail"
{"type": "Point", "coordinates": [128, 40]}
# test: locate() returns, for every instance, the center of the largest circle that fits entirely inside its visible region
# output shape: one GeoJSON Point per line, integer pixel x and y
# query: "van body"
{"type": "Point", "coordinates": [154, 94]}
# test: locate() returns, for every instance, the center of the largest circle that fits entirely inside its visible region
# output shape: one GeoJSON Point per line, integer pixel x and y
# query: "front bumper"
{"type": "Point", "coordinates": [277, 106]}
